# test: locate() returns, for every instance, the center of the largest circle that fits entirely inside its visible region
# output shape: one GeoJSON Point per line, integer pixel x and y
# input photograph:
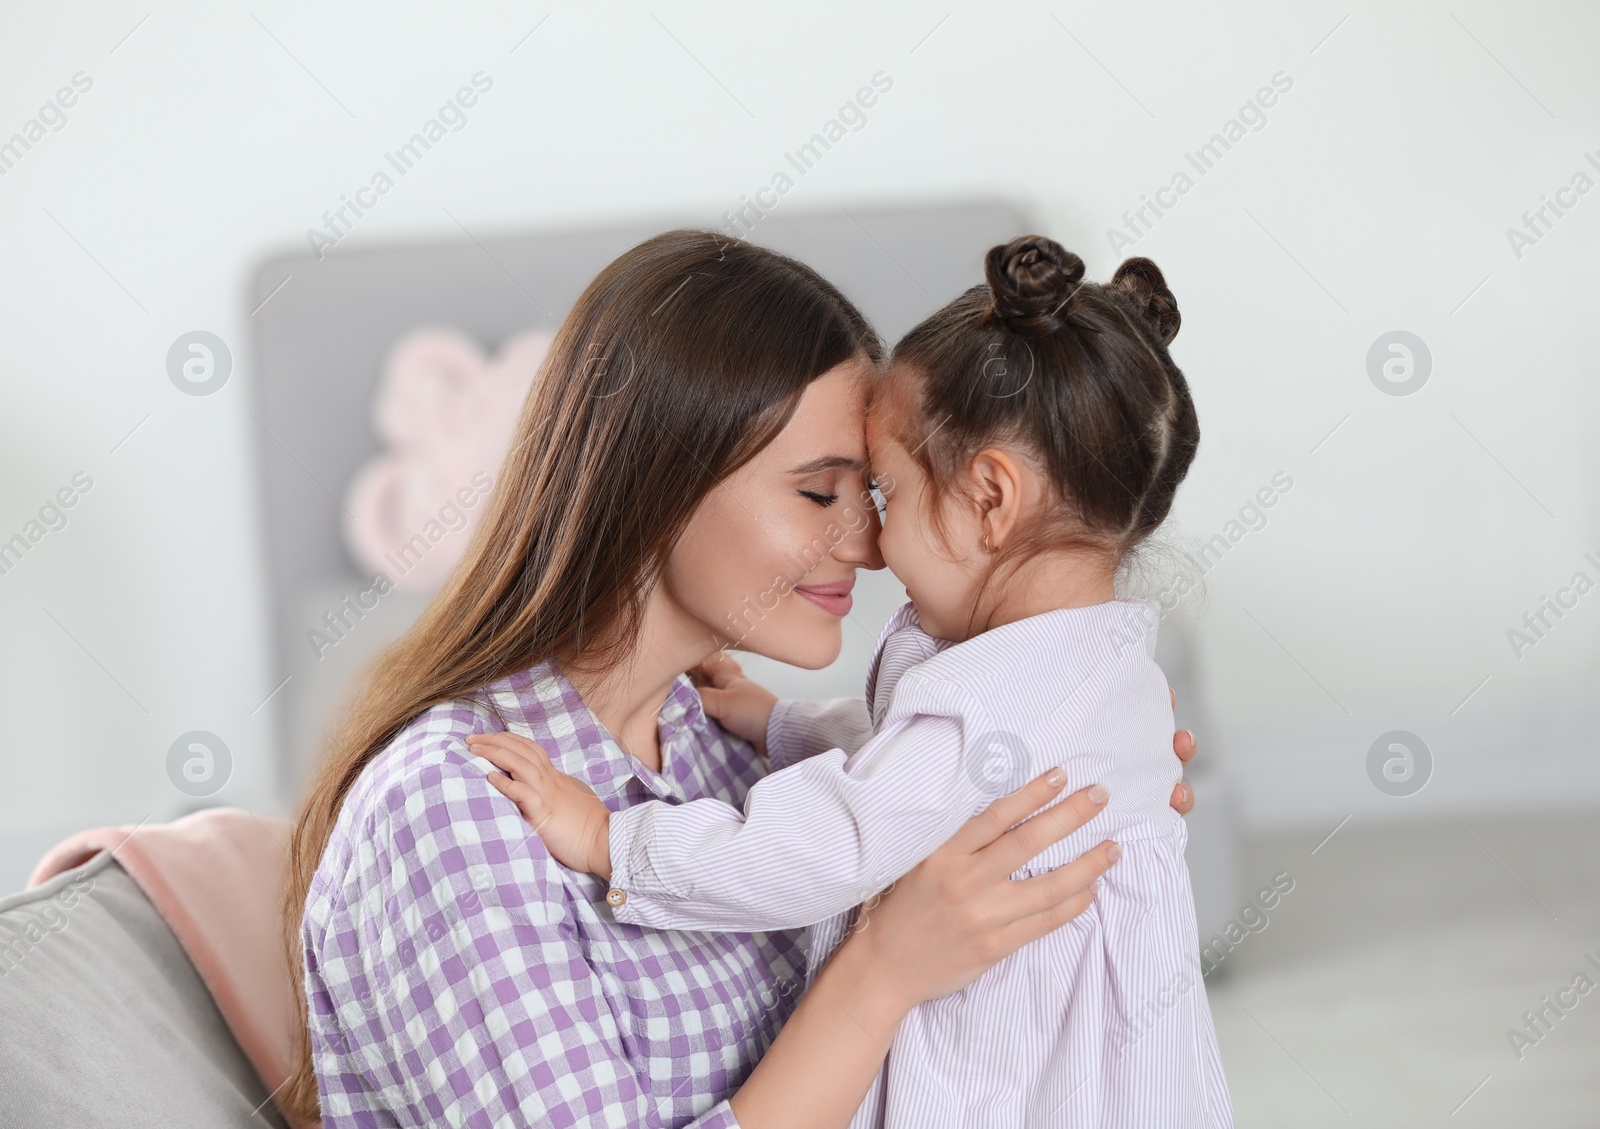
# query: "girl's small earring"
{"type": "Point", "coordinates": [988, 548]}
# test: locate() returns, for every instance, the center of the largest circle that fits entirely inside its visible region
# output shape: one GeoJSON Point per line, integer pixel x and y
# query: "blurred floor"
{"type": "Point", "coordinates": [1381, 991]}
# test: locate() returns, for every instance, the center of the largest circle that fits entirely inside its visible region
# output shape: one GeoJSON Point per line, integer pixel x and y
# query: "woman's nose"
{"type": "Point", "coordinates": [859, 547]}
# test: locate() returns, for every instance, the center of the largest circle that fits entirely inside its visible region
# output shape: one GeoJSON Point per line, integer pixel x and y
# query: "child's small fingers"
{"type": "Point", "coordinates": [715, 702]}
{"type": "Point", "coordinates": [519, 770]}
{"type": "Point", "coordinates": [479, 743]}
{"type": "Point", "coordinates": [506, 749]}
{"type": "Point", "coordinates": [504, 740]}
{"type": "Point", "coordinates": [507, 741]}
{"type": "Point", "coordinates": [502, 784]}
{"type": "Point", "coordinates": [525, 796]}
{"type": "Point", "coordinates": [722, 670]}
{"type": "Point", "coordinates": [502, 758]}
{"type": "Point", "coordinates": [508, 785]}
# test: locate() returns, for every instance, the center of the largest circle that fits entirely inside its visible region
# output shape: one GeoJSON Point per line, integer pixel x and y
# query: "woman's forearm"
{"type": "Point", "coordinates": [818, 1069]}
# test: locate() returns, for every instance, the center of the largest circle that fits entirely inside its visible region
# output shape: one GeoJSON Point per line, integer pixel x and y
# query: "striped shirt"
{"type": "Point", "coordinates": [1102, 1023]}
{"type": "Point", "coordinates": [457, 976]}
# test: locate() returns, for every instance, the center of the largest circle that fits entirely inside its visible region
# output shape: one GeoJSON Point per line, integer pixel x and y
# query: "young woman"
{"type": "Point", "coordinates": [688, 471]}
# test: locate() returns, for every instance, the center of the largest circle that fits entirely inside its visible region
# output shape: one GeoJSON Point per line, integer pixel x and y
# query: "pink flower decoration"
{"type": "Point", "coordinates": [446, 414]}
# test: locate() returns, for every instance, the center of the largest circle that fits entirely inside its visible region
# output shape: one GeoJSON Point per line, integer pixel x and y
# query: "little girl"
{"type": "Point", "coordinates": [1028, 436]}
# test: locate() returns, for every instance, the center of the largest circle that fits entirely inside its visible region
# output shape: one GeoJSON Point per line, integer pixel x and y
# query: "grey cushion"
{"type": "Point", "coordinates": [105, 1022]}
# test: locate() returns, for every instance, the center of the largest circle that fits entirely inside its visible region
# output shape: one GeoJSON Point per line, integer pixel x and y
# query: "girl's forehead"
{"type": "Point", "coordinates": [879, 431]}
{"type": "Point", "coordinates": [893, 402]}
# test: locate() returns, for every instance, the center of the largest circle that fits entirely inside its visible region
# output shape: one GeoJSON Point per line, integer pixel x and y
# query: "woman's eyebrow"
{"type": "Point", "coordinates": [829, 462]}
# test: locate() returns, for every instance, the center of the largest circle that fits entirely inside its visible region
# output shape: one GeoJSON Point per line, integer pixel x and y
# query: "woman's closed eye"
{"type": "Point", "coordinates": [821, 499]}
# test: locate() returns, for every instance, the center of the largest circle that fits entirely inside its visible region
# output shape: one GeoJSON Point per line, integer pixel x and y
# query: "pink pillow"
{"type": "Point", "coordinates": [446, 414]}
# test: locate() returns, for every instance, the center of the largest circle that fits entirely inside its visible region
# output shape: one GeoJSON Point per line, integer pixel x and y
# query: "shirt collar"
{"type": "Point", "coordinates": [682, 711]}
{"type": "Point", "coordinates": [1001, 668]}
{"type": "Point", "coordinates": [541, 704]}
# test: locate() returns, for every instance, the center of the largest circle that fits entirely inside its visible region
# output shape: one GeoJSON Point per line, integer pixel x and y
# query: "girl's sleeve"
{"type": "Point", "coordinates": [812, 841]}
{"type": "Point", "coordinates": [800, 728]}
{"type": "Point", "coordinates": [479, 1005]}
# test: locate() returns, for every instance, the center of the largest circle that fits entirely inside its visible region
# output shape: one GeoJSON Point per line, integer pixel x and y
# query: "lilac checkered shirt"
{"type": "Point", "coordinates": [457, 975]}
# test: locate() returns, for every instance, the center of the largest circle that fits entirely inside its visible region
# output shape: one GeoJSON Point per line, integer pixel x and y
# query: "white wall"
{"type": "Point", "coordinates": [1376, 197]}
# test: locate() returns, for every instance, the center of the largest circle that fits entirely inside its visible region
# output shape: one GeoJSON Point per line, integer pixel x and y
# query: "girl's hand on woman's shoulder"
{"type": "Point", "coordinates": [564, 811]}
{"type": "Point", "coordinates": [740, 706]}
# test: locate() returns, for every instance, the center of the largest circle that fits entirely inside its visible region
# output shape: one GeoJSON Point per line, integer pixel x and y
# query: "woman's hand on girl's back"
{"type": "Point", "coordinates": [958, 912]}
{"type": "Point", "coordinates": [1184, 744]}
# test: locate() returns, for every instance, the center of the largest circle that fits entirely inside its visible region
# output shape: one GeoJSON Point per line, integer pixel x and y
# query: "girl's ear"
{"type": "Point", "coordinates": [997, 488]}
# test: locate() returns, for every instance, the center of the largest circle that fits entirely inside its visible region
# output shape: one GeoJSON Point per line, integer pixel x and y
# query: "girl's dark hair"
{"type": "Point", "coordinates": [678, 364]}
{"type": "Point", "coordinates": [1075, 372]}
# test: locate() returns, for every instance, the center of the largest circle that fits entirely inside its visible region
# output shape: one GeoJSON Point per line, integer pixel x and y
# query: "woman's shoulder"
{"type": "Point", "coordinates": [427, 790]}
{"type": "Point", "coordinates": [423, 832]}
{"type": "Point", "coordinates": [431, 748]}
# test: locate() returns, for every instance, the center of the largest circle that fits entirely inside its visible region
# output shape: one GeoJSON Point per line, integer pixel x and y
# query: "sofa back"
{"type": "Point", "coordinates": [106, 1022]}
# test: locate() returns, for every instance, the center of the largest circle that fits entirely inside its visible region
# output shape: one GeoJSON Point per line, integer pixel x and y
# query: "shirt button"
{"type": "Point", "coordinates": [615, 897]}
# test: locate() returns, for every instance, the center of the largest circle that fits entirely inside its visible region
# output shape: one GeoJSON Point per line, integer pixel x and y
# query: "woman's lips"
{"type": "Point", "coordinates": [833, 598]}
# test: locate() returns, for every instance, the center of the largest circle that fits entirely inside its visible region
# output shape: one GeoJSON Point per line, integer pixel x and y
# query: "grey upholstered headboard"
{"type": "Point", "coordinates": [323, 329]}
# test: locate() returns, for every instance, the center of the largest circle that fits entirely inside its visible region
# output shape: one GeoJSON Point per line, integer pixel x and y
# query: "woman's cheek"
{"type": "Point", "coordinates": [724, 582]}
{"type": "Point", "coordinates": [772, 565]}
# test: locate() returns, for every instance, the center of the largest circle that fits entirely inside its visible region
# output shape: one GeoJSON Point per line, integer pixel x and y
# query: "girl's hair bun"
{"type": "Point", "coordinates": [1032, 280]}
{"type": "Point", "coordinates": [1142, 282]}
{"type": "Point", "coordinates": [1097, 399]}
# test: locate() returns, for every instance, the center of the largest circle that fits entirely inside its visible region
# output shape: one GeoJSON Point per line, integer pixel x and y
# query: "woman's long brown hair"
{"type": "Point", "coordinates": [679, 362]}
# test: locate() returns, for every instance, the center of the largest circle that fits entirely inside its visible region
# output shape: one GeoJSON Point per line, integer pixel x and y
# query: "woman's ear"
{"type": "Point", "coordinates": [997, 488]}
